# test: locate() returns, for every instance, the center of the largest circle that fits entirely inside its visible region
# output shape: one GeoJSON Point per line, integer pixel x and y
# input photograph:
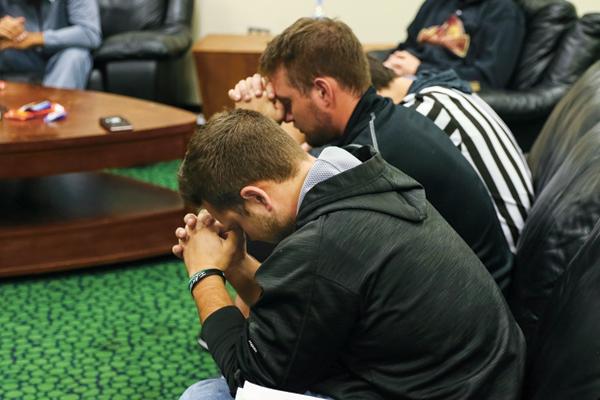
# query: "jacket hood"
{"type": "Point", "coordinates": [372, 186]}
{"type": "Point", "coordinates": [447, 79]}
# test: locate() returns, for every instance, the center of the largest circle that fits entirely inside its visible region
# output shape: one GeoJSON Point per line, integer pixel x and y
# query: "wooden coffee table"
{"type": "Point", "coordinates": [56, 213]}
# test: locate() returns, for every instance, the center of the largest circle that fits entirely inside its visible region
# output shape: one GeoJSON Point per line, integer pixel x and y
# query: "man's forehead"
{"type": "Point", "coordinates": [280, 82]}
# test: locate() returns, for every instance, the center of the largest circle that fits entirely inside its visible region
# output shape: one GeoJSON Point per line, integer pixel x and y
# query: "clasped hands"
{"type": "Point", "coordinates": [255, 93]}
{"type": "Point", "coordinates": [14, 36]}
{"type": "Point", "coordinates": [205, 243]}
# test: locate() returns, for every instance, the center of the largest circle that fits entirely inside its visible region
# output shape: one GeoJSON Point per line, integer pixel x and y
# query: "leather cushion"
{"type": "Point", "coordinates": [545, 28]}
{"type": "Point", "coordinates": [573, 116]}
{"type": "Point", "coordinates": [558, 224]}
{"type": "Point", "coordinates": [565, 359]}
{"type": "Point", "coordinates": [579, 48]}
{"type": "Point", "coordinates": [149, 45]}
{"type": "Point", "coordinates": [119, 16]}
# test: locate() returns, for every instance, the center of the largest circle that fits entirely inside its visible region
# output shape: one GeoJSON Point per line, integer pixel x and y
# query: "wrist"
{"type": "Point", "coordinates": [37, 38]}
{"type": "Point", "coordinates": [207, 286]}
{"type": "Point", "coordinates": [204, 274]}
{"type": "Point", "coordinates": [201, 267]}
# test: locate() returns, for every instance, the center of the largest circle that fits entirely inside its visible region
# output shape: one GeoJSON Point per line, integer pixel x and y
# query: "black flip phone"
{"type": "Point", "coordinates": [115, 123]}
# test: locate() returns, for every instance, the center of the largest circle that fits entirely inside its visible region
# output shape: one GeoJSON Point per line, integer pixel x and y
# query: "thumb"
{"type": "Point", "coordinates": [235, 238]}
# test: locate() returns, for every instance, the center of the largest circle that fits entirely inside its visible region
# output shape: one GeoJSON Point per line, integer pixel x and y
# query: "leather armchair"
{"type": "Point", "coordinates": [566, 174]}
{"type": "Point", "coordinates": [144, 44]}
{"type": "Point", "coordinates": [558, 48]}
{"type": "Point", "coordinates": [564, 363]}
{"type": "Point", "coordinates": [572, 118]}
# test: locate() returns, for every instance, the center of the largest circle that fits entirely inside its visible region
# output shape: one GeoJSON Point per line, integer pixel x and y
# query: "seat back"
{"type": "Point", "coordinates": [118, 16]}
{"type": "Point", "coordinates": [564, 363]}
{"type": "Point", "coordinates": [578, 49]}
{"type": "Point", "coordinates": [558, 224]}
{"type": "Point", "coordinates": [547, 22]}
{"type": "Point", "coordinates": [572, 117]}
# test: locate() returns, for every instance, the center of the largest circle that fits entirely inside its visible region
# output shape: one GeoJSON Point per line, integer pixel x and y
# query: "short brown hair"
{"type": "Point", "coordinates": [234, 149]}
{"type": "Point", "coordinates": [381, 77]}
{"type": "Point", "coordinates": [310, 48]}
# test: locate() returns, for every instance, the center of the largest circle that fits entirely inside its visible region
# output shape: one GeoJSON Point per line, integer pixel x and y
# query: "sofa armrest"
{"type": "Point", "coordinates": [524, 105]}
{"type": "Point", "coordinates": [161, 44]}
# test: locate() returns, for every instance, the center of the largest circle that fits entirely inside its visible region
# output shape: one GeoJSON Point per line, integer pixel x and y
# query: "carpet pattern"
{"type": "Point", "coordinates": [120, 332]}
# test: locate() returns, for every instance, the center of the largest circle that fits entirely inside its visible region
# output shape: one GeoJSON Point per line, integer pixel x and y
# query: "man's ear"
{"type": "Point", "coordinates": [323, 89]}
{"type": "Point", "coordinates": [255, 196]}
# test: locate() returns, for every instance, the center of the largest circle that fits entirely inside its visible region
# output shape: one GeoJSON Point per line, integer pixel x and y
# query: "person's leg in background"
{"type": "Point", "coordinates": [22, 65]}
{"type": "Point", "coordinates": [217, 389]}
{"type": "Point", "coordinates": [69, 69]}
{"type": "Point", "coordinates": [213, 389]}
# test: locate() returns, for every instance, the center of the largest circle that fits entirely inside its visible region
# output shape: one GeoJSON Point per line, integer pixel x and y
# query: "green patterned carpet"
{"type": "Point", "coordinates": [120, 332]}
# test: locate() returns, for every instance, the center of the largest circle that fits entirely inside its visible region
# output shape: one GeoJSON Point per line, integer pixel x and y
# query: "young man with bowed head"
{"type": "Point", "coordinates": [476, 130]}
{"type": "Point", "coordinates": [369, 294]}
{"type": "Point", "coordinates": [316, 75]}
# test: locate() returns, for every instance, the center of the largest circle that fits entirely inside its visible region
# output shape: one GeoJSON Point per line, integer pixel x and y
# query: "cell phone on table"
{"type": "Point", "coordinates": [115, 123]}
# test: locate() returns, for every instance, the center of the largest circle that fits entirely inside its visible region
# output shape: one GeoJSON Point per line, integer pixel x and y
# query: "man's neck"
{"type": "Point", "coordinates": [347, 103]}
{"type": "Point", "coordinates": [297, 182]}
{"type": "Point", "coordinates": [287, 193]}
{"type": "Point", "coordinates": [397, 89]}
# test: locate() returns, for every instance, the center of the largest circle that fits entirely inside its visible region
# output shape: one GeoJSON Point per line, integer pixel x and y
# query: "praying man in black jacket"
{"type": "Point", "coordinates": [369, 293]}
{"type": "Point", "coordinates": [317, 77]}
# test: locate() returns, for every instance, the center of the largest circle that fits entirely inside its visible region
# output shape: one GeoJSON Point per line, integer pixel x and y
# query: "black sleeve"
{"type": "Point", "coordinates": [295, 330]}
{"type": "Point", "coordinates": [221, 330]}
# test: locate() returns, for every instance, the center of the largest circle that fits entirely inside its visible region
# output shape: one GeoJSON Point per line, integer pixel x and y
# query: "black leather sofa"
{"type": "Point", "coordinates": [558, 48]}
{"type": "Point", "coordinates": [565, 361]}
{"type": "Point", "coordinates": [143, 48]}
{"type": "Point", "coordinates": [555, 291]}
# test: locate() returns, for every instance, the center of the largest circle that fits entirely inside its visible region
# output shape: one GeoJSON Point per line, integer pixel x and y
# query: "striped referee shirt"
{"type": "Point", "coordinates": [487, 143]}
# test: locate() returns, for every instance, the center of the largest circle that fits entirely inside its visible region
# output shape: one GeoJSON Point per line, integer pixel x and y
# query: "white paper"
{"type": "Point", "coordinates": [251, 391]}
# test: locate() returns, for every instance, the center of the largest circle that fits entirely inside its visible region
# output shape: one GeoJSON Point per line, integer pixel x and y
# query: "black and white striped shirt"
{"type": "Point", "coordinates": [487, 143]}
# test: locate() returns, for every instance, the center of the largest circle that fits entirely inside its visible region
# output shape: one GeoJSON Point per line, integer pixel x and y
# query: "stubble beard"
{"type": "Point", "coordinates": [323, 132]}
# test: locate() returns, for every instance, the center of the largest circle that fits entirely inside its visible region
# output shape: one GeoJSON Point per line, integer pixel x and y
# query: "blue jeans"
{"type": "Point", "coordinates": [215, 389]}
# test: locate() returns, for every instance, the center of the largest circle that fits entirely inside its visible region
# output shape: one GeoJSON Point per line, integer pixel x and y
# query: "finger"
{"type": "Point", "coordinates": [221, 229]}
{"type": "Point", "coordinates": [257, 85]}
{"type": "Point", "coordinates": [205, 218]}
{"type": "Point", "coordinates": [190, 219]}
{"type": "Point", "coordinates": [233, 237]}
{"type": "Point", "coordinates": [233, 95]}
{"type": "Point", "coordinates": [245, 91]}
{"type": "Point", "coordinates": [270, 91]}
{"type": "Point", "coordinates": [181, 234]}
{"type": "Point", "coordinates": [237, 90]}
{"type": "Point", "coordinates": [177, 250]}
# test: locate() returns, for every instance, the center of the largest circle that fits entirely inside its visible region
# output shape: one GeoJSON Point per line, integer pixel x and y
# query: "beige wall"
{"type": "Point", "coordinates": [586, 6]}
{"type": "Point", "coordinates": [391, 16]}
{"type": "Point", "coordinates": [374, 21]}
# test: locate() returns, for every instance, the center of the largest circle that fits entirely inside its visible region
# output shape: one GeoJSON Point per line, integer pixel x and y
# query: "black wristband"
{"type": "Point", "coordinates": [198, 276]}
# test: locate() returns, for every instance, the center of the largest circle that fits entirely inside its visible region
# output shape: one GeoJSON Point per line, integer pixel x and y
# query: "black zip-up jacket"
{"type": "Point", "coordinates": [415, 145]}
{"type": "Point", "coordinates": [496, 29]}
{"type": "Point", "coordinates": [373, 296]}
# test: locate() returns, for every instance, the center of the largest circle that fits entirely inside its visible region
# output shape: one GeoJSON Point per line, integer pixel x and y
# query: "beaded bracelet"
{"type": "Point", "coordinates": [198, 276]}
